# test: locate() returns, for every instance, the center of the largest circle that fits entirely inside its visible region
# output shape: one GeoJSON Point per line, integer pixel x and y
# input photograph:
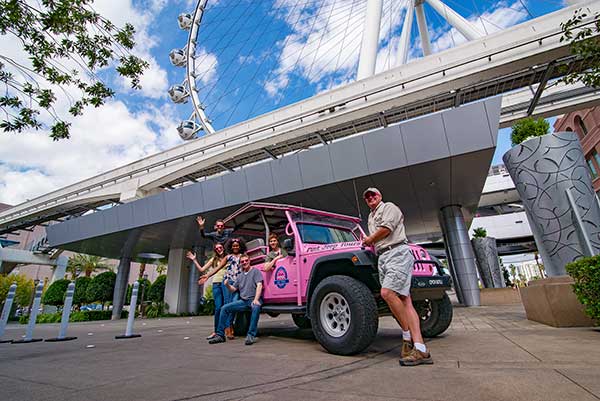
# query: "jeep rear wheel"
{"type": "Point", "coordinates": [435, 314]}
{"type": "Point", "coordinates": [343, 315]}
{"type": "Point", "coordinates": [302, 321]}
{"type": "Point", "coordinates": [241, 324]}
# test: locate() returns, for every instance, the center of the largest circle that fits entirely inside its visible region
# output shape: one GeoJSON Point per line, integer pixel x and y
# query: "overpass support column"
{"type": "Point", "coordinates": [194, 293]}
{"type": "Point", "coordinates": [120, 287]}
{"type": "Point", "coordinates": [61, 268]}
{"type": "Point", "coordinates": [461, 255]}
{"type": "Point", "coordinates": [178, 277]}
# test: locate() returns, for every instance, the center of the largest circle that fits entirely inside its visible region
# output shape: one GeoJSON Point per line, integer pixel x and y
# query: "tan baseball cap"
{"type": "Point", "coordinates": [372, 189]}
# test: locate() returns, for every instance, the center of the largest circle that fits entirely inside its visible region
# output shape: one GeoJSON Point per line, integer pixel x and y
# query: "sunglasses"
{"type": "Point", "coordinates": [370, 195]}
{"type": "Point", "coordinates": [245, 261]}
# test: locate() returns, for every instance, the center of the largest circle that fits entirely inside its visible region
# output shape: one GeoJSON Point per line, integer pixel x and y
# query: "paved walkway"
{"type": "Point", "coordinates": [489, 353]}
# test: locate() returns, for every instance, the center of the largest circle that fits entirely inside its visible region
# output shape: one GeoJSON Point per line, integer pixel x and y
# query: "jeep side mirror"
{"type": "Point", "coordinates": [288, 245]}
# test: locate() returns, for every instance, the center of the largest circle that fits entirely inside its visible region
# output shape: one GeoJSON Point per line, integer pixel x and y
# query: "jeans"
{"type": "Point", "coordinates": [241, 305]}
{"type": "Point", "coordinates": [219, 291]}
{"type": "Point", "coordinates": [229, 297]}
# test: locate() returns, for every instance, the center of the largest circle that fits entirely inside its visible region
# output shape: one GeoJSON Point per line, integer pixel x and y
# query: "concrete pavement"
{"type": "Point", "coordinates": [489, 353]}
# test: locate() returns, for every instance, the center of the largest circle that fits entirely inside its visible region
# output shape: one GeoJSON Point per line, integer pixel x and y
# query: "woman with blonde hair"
{"type": "Point", "coordinates": [215, 269]}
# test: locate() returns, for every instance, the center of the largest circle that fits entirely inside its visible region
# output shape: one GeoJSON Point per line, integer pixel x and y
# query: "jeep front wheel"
{"type": "Point", "coordinates": [343, 315]}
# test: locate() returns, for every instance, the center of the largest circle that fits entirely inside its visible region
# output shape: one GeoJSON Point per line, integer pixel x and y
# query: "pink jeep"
{"type": "Point", "coordinates": [329, 280]}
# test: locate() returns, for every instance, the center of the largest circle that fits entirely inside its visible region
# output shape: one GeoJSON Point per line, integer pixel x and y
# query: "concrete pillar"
{"type": "Point", "coordinates": [178, 277]}
{"type": "Point", "coordinates": [61, 268]}
{"type": "Point", "coordinates": [120, 287]}
{"type": "Point", "coordinates": [460, 252]}
{"type": "Point", "coordinates": [193, 294]}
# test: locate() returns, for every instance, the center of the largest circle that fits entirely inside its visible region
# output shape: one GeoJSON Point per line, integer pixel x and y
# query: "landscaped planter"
{"type": "Point", "coordinates": [544, 169]}
{"type": "Point", "coordinates": [486, 253]}
{"type": "Point", "coordinates": [499, 296]}
{"type": "Point", "coordinates": [552, 301]}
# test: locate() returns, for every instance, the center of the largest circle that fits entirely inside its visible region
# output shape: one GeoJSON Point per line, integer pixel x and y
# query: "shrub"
{"type": "Point", "coordinates": [479, 232]}
{"type": "Point", "coordinates": [80, 316]}
{"type": "Point", "coordinates": [55, 294]}
{"type": "Point", "coordinates": [24, 288]}
{"type": "Point", "coordinates": [101, 288]}
{"type": "Point", "coordinates": [528, 128]}
{"type": "Point", "coordinates": [157, 289]}
{"type": "Point", "coordinates": [143, 282]}
{"type": "Point", "coordinates": [81, 286]}
{"type": "Point", "coordinates": [586, 274]}
{"type": "Point", "coordinates": [155, 309]}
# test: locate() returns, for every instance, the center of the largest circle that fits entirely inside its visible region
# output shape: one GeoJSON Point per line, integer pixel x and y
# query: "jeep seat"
{"type": "Point", "coordinates": [257, 251]}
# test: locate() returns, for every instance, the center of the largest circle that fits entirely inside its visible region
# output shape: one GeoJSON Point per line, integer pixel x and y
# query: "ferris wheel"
{"type": "Point", "coordinates": [247, 57]}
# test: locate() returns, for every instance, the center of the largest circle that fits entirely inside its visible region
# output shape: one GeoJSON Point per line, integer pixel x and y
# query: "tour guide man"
{"type": "Point", "coordinates": [386, 229]}
{"type": "Point", "coordinates": [250, 284]}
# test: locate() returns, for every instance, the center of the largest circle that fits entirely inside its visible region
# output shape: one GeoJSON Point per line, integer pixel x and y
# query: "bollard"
{"type": "Point", "coordinates": [132, 305]}
{"type": "Point", "coordinates": [6, 310]}
{"type": "Point", "coordinates": [64, 322]}
{"type": "Point", "coordinates": [32, 317]}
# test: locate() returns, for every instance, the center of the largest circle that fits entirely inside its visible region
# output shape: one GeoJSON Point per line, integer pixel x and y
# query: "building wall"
{"type": "Point", "coordinates": [586, 123]}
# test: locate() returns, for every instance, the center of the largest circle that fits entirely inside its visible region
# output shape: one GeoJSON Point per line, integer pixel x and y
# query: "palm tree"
{"type": "Point", "coordinates": [86, 263]}
{"type": "Point", "coordinates": [161, 268]}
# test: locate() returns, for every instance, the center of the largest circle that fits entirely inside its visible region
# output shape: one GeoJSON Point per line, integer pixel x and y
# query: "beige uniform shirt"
{"type": "Point", "coordinates": [387, 215]}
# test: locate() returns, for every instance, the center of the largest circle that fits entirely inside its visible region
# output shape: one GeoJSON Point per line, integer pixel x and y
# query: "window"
{"type": "Point", "coordinates": [592, 168]}
{"type": "Point", "coordinates": [581, 125]}
{"type": "Point", "coordinates": [314, 234]}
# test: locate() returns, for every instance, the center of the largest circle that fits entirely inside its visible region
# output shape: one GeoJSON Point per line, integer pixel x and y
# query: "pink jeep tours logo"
{"type": "Point", "coordinates": [281, 277]}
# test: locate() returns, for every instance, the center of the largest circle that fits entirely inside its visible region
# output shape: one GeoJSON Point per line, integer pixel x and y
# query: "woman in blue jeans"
{"type": "Point", "coordinates": [215, 270]}
{"type": "Point", "coordinates": [235, 248]}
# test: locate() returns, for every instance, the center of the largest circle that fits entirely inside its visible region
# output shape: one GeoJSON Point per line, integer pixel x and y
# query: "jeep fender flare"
{"type": "Point", "coordinates": [363, 269]}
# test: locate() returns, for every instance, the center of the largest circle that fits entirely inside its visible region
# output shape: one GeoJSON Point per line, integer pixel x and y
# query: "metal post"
{"type": "Point", "coordinates": [6, 310]}
{"type": "Point", "coordinates": [370, 40]}
{"type": "Point", "coordinates": [422, 24]}
{"type": "Point", "coordinates": [131, 317]}
{"type": "Point", "coordinates": [64, 323]}
{"type": "Point", "coordinates": [404, 45]}
{"type": "Point", "coordinates": [588, 250]}
{"type": "Point", "coordinates": [456, 20]}
{"type": "Point", "coordinates": [32, 317]}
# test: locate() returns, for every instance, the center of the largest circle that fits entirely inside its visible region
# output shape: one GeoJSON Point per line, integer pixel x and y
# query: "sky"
{"type": "Point", "coordinates": [252, 57]}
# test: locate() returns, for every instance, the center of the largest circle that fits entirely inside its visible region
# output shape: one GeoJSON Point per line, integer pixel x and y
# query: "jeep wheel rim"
{"type": "Point", "coordinates": [335, 314]}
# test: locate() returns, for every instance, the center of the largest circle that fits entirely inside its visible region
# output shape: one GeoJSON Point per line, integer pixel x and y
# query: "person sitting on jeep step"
{"type": "Point", "coordinates": [395, 265]}
{"type": "Point", "coordinates": [250, 285]}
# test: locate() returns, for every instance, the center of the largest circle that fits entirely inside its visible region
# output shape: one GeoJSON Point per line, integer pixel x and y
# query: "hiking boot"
{"type": "Point", "coordinates": [229, 333]}
{"type": "Point", "coordinates": [407, 346]}
{"type": "Point", "coordinates": [213, 335]}
{"type": "Point", "coordinates": [416, 357]}
{"type": "Point", "coordinates": [250, 340]}
{"type": "Point", "coordinates": [217, 339]}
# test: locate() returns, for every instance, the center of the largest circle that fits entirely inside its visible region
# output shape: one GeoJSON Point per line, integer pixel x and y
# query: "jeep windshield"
{"type": "Point", "coordinates": [317, 234]}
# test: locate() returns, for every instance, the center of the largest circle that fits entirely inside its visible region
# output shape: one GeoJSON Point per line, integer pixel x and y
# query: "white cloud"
{"type": "Point", "coordinates": [102, 139]}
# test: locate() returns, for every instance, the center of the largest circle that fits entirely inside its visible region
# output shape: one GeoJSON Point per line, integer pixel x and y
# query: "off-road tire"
{"type": "Point", "coordinates": [241, 324]}
{"type": "Point", "coordinates": [435, 314]}
{"type": "Point", "coordinates": [301, 321]}
{"type": "Point", "coordinates": [363, 312]}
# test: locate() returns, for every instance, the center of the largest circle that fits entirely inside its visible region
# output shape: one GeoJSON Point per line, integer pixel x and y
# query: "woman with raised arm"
{"type": "Point", "coordinates": [235, 248]}
{"type": "Point", "coordinates": [215, 269]}
{"type": "Point", "coordinates": [276, 252]}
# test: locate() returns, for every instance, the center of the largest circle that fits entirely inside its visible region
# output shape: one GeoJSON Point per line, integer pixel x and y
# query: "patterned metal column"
{"type": "Point", "coordinates": [460, 251]}
{"type": "Point", "coordinates": [553, 180]}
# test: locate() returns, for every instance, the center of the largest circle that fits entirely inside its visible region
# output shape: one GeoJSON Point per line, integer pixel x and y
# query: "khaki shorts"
{"type": "Point", "coordinates": [395, 269]}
